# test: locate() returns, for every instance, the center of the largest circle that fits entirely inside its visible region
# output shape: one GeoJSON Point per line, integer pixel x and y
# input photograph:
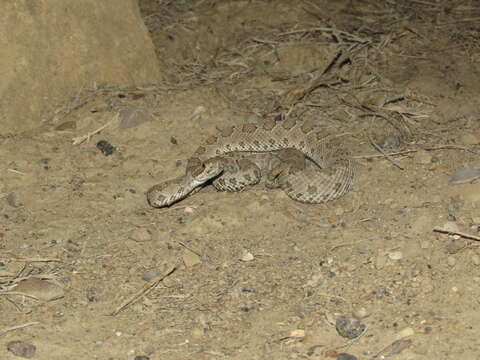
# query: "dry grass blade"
{"type": "Point", "coordinates": [31, 260]}
{"type": "Point", "coordinates": [475, 19]}
{"type": "Point", "coordinates": [16, 293]}
{"type": "Point", "coordinates": [16, 327]}
{"type": "Point", "coordinates": [85, 96]}
{"type": "Point", "coordinates": [338, 34]}
{"type": "Point", "coordinates": [404, 152]}
{"type": "Point", "coordinates": [80, 139]}
{"type": "Point", "coordinates": [145, 290]}
{"type": "Point", "coordinates": [379, 148]}
{"type": "Point", "coordinates": [297, 94]}
{"type": "Point", "coordinates": [393, 349]}
{"type": "Point", "coordinates": [462, 234]}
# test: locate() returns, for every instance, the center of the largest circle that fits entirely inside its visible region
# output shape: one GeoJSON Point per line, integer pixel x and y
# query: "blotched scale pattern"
{"type": "Point", "coordinates": [218, 159]}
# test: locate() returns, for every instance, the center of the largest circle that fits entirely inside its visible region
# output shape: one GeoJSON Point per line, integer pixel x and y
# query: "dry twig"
{"type": "Point", "coordinates": [379, 148]}
{"type": "Point", "coordinates": [145, 290]}
{"type": "Point", "coordinates": [4, 331]}
{"type": "Point", "coordinates": [403, 152]}
{"type": "Point", "coordinates": [80, 139]}
{"type": "Point", "coordinates": [462, 234]}
{"type": "Point", "coordinates": [338, 34]}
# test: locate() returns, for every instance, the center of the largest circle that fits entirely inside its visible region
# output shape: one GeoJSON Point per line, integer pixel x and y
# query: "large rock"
{"type": "Point", "coordinates": [50, 48]}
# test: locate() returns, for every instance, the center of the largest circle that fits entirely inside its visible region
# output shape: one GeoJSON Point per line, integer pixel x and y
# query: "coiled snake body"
{"type": "Point", "coordinates": [272, 151]}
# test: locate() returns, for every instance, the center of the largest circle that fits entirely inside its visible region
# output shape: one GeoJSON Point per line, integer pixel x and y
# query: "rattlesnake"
{"type": "Point", "coordinates": [272, 151]}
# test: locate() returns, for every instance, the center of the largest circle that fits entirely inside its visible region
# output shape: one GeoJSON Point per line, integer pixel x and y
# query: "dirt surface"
{"type": "Point", "coordinates": [89, 270]}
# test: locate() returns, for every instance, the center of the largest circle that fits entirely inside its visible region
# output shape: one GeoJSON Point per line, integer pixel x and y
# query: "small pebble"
{"type": "Point", "coordinates": [142, 357]}
{"type": "Point", "coordinates": [346, 356]}
{"type": "Point", "coordinates": [464, 176]}
{"type": "Point", "coordinates": [451, 261]}
{"type": "Point", "coordinates": [455, 246]}
{"type": "Point", "coordinates": [141, 235]}
{"type": "Point", "coordinates": [41, 289]}
{"type": "Point", "coordinates": [65, 126]}
{"type": "Point", "coordinates": [395, 255]}
{"type": "Point", "coordinates": [91, 294]}
{"type": "Point", "coordinates": [427, 330]}
{"type": "Point", "coordinates": [399, 212]}
{"type": "Point", "coordinates": [380, 261]}
{"type": "Point", "coordinates": [428, 287]}
{"type": "Point", "coordinates": [247, 289]}
{"type": "Point", "coordinates": [131, 117]}
{"type": "Point", "coordinates": [246, 256]}
{"type": "Point", "coordinates": [198, 333]}
{"type": "Point", "coordinates": [350, 328]}
{"type": "Point", "coordinates": [394, 348]}
{"type": "Point", "coordinates": [361, 313]}
{"type": "Point", "coordinates": [297, 334]}
{"type": "Point", "coordinates": [58, 314]}
{"type": "Point", "coordinates": [391, 142]}
{"type": "Point", "coordinates": [406, 332]}
{"type": "Point", "coordinates": [476, 259]}
{"type": "Point", "coordinates": [150, 274]}
{"type": "Point", "coordinates": [46, 167]}
{"type": "Point", "coordinates": [255, 120]}
{"type": "Point", "coordinates": [415, 271]}
{"type": "Point", "coordinates": [423, 157]}
{"type": "Point", "coordinates": [12, 200]}
{"type": "Point", "coordinates": [149, 349]}
{"type": "Point", "coordinates": [21, 349]}
{"type": "Point", "coordinates": [191, 259]}
{"type": "Point", "coordinates": [197, 113]}
{"type": "Point", "coordinates": [450, 226]}
{"type": "Point", "coordinates": [426, 244]}
{"type": "Point", "coordinates": [453, 206]}
{"type": "Point", "coordinates": [470, 139]}
{"type": "Point", "coordinates": [315, 351]}
{"type": "Point", "coordinates": [315, 280]}
{"type": "Point", "coordinates": [105, 147]}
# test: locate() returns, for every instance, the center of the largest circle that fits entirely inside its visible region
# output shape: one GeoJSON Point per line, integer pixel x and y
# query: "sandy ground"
{"type": "Point", "coordinates": [255, 275]}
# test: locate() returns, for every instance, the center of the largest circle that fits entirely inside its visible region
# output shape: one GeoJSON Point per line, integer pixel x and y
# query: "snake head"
{"type": "Point", "coordinates": [171, 191]}
{"type": "Point", "coordinates": [208, 170]}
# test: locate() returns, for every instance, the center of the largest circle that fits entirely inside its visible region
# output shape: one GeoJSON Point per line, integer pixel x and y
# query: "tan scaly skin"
{"type": "Point", "coordinates": [332, 176]}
